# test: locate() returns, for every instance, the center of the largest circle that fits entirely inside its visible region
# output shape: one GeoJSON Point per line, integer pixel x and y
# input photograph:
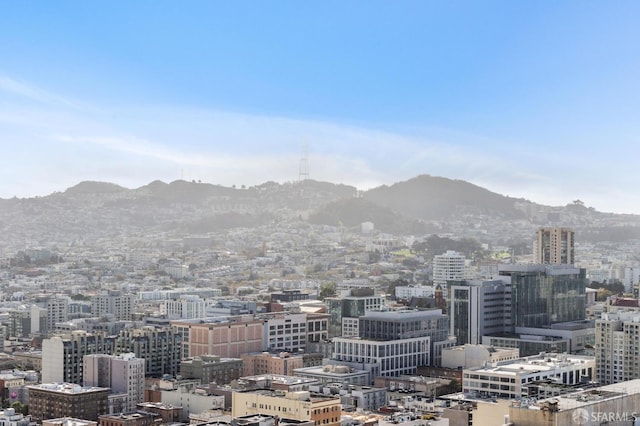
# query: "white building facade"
{"type": "Point", "coordinates": [446, 267]}
{"type": "Point", "coordinates": [506, 379]}
{"type": "Point", "coordinates": [385, 358]}
{"type": "Point", "coordinates": [617, 347]}
{"type": "Point", "coordinates": [124, 374]}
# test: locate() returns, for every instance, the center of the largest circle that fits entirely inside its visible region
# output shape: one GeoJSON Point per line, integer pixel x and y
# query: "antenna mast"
{"type": "Point", "coordinates": [303, 172]}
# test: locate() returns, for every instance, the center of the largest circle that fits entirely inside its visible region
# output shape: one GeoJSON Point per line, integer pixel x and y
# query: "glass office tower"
{"type": "Point", "coordinates": [542, 295]}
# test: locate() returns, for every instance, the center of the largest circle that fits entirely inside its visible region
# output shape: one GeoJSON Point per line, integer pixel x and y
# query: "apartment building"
{"type": "Point", "coordinates": [119, 304]}
{"type": "Point", "coordinates": [449, 266]}
{"type": "Point", "coordinates": [124, 374]}
{"type": "Point", "coordinates": [212, 368]}
{"type": "Point", "coordinates": [55, 400]}
{"type": "Point", "coordinates": [158, 346]}
{"type": "Point", "coordinates": [226, 337]}
{"type": "Point", "coordinates": [617, 347]}
{"type": "Point", "coordinates": [555, 245]}
{"type": "Point", "coordinates": [282, 363]}
{"type": "Point", "coordinates": [63, 356]}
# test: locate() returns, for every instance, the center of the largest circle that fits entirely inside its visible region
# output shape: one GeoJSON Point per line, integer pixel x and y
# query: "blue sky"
{"type": "Point", "coordinates": [539, 100]}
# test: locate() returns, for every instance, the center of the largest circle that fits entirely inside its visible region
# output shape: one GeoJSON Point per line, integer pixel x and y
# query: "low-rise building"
{"type": "Point", "coordinates": [276, 382]}
{"type": "Point", "coordinates": [139, 418]}
{"type": "Point", "coordinates": [262, 420]}
{"type": "Point", "coordinates": [283, 363]}
{"type": "Point", "coordinates": [506, 379]}
{"type": "Point", "coordinates": [9, 417]}
{"type": "Point", "coordinates": [468, 356]}
{"type": "Point", "coordinates": [168, 413]}
{"type": "Point", "coordinates": [365, 398]}
{"type": "Point", "coordinates": [615, 404]}
{"type": "Point", "coordinates": [301, 405]}
{"type": "Point", "coordinates": [192, 400]}
{"type": "Point", "coordinates": [212, 368]}
{"type": "Point", "coordinates": [68, 421]}
{"type": "Point", "coordinates": [54, 400]}
{"type": "Point", "coordinates": [330, 373]}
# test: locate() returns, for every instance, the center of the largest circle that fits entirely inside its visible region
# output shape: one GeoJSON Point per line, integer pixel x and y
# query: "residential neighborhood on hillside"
{"type": "Point", "coordinates": [295, 321]}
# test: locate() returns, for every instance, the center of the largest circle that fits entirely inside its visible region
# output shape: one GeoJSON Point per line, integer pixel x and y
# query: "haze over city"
{"type": "Point", "coordinates": [527, 99]}
{"type": "Point", "coordinates": [319, 213]}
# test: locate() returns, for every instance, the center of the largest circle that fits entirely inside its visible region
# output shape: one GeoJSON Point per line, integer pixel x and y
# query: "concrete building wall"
{"type": "Point", "coordinates": [292, 405]}
{"type": "Point", "coordinates": [469, 356]}
{"type": "Point", "coordinates": [392, 358]}
{"type": "Point", "coordinates": [53, 360]}
{"type": "Point", "coordinates": [224, 339]}
{"type": "Point", "coordinates": [192, 403]}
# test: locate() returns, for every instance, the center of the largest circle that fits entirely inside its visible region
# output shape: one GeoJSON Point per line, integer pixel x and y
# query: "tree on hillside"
{"type": "Point", "coordinates": [327, 289]}
{"type": "Point", "coordinates": [391, 289]}
{"type": "Point", "coordinates": [434, 245]}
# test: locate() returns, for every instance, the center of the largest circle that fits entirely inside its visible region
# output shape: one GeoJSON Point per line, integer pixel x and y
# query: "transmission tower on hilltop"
{"type": "Point", "coordinates": [303, 171]}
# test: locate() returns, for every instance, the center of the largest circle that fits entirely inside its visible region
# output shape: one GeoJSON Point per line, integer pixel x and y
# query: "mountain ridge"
{"type": "Point", "coordinates": [98, 187]}
{"type": "Point", "coordinates": [420, 205]}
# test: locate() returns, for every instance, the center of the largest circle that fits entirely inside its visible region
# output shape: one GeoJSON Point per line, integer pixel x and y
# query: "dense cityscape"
{"type": "Point", "coordinates": [319, 213]}
{"type": "Point", "coordinates": [312, 324]}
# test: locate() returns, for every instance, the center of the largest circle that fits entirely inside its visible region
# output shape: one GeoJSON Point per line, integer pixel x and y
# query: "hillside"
{"type": "Point", "coordinates": [436, 198]}
{"type": "Point", "coordinates": [352, 212]}
{"type": "Point", "coordinates": [422, 205]}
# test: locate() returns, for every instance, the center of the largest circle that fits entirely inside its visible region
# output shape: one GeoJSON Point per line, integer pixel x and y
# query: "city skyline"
{"type": "Point", "coordinates": [532, 100]}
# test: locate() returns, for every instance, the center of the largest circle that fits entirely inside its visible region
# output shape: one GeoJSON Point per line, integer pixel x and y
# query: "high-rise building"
{"type": "Point", "coordinates": [407, 324]}
{"type": "Point", "coordinates": [617, 346]}
{"type": "Point", "coordinates": [349, 308]}
{"type": "Point", "coordinates": [285, 332]}
{"type": "Point", "coordinates": [542, 295]}
{"type": "Point", "coordinates": [227, 337]}
{"type": "Point", "coordinates": [187, 307]}
{"type": "Point", "coordinates": [555, 246]}
{"type": "Point", "coordinates": [57, 311]}
{"type": "Point", "coordinates": [26, 321]}
{"type": "Point", "coordinates": [478, 308]}
{"type": "Point", "coordinates": [124, 374]}
{"type": "Point", "coordinates": [120, 305]}
{"type": "Point", "coordinates": [62, 356]}
{"type": "Point", "coordinates": [448, 266]}
{"type": "Point", "coordinates": [159, 346]}
{"type": "Point", "coordinates": [631, 279]}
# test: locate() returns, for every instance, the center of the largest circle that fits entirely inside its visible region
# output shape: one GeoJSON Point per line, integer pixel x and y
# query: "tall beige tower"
{"type": "Point", "coordinates": [555, 246]}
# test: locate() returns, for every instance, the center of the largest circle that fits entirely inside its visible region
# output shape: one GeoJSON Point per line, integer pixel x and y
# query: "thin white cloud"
{"type": "Point", "coordinates": [133, 146]}
{"type": "Point", "coordinates": [19, 88]}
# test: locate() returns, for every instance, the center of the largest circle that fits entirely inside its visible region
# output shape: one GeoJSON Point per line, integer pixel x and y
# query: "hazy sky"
{"type": "Point", "coordinates": [533, 99]}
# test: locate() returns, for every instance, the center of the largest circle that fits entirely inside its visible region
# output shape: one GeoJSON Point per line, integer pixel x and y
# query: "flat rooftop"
{"type": "Point", "coordinates": [402, 314]}
{"type": "Point", "coordinates": [586, 397]}
{"type": "Point", "coordinates": [279, 379]}
{"type": "Point", "coordinates": [531, 364]}
{"type": "Point", "coordinates": [69, 388]}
